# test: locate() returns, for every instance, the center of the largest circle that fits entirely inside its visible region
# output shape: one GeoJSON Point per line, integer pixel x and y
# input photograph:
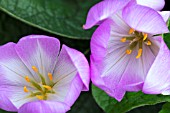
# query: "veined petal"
{"type": "Point", "coordinates": [112, 69]}
{"type": "Point", "coordinates": [71, 74]}
{"type": "Point", "coordinates": [74, 91]}
{"type": "Point", "coordinates": [16, 94]}
{"type": "Point", "coordinates": [100, 39]}
{"type": "Point", "coordinates": [70, 64]}
{"type": "Point", "coordinates": [144, 19]}
{"type": "Point", "coordinates": [96, 79]}
{"type": "Point", "coordinates": [156, 4]}
{"type": "Point", "coordinates": [119, 26]}
{"type": "Point", "coordinates": [103, 10]}
{"type": "Point", "coordinates": [137, 69]}
{"type": "Point", "coordinates": [158, 78]}
{"type": "Point", "coordinates": [107, 50]}
{"type": "Point", "coordinates": [12, 73]}
{"type": "Point", "coordinates": [40, 51]}
{"type": "Point", "coordinates": [12, 69]}
{"type": "Point", "coordinates": [44, 107]}
{"type": "Point", "coordinates": [6, 104]}
{"type": "Point", "coordinates": [165, 15]}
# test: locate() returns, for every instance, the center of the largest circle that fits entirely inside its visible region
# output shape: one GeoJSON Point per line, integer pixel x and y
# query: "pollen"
{"type": "Point", "coordinates": [50, 76]}
{"type": "Point", "coordinates": [148, 43]}
{"type": "Point", "coordinates": [123, 39]}
{"type": "Point", "coordinates": [139, 53]}
{"type": "Point", "coordinates": [25, 89]}
{"type": "Point", "coordinates": [128, 51]}
{"type": "Point", "coordinates": [27, 79]}
{"type": "Point", "coordinates": [40, 97]}
{"type": "Point", "coordinates": [145, 36]}
{"type": "Point", "coordinates": [131, 31]}
{"type": "Point", "coordinates": [47, 87]}
{"type": "Point", "coordinates": [35, 69]}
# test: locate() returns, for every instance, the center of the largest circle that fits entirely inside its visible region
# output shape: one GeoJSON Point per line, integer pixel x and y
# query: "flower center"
{"type": "Point", "coordinates": [42, 89]}
{"type": "Point", "coordinates": [137, 39]}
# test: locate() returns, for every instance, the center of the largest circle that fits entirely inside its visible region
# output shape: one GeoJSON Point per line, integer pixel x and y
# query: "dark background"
{"type": "Point", "coordinates": [167, 5]}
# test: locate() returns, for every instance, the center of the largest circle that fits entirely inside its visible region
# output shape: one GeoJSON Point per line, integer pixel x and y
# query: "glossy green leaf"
{"type": "Point", "coordinates": [130, 101]}
{"type": "Point", "coordinates": [165, 108]}
{"type": "Point", "coordinates": [61, 17]}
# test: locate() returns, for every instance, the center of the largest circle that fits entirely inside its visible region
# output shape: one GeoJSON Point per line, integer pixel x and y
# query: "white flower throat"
{"type": "Point", "coordinates": [43, 89]}
{"type": "Point", "coordinates": [137, 38]}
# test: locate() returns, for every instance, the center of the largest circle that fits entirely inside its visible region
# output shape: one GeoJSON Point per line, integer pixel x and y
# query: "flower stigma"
{"type": "Point", "coordinates": [42, 89]}
{"type": "Point", "coordinates": [136, 39]}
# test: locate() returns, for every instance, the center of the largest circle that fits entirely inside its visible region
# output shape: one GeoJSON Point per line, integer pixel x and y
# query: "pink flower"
{"type": "Point", "coordinates": [36, 76]}
{"type": "Point", "coordinates": [124, 48]}
{"type": "Point", "coordinates": [107, 8]}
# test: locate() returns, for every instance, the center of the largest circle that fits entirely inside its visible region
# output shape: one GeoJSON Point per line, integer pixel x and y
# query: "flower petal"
{"type": "Point", "coordinates": [158, 78]}
{"type": "Point", "coordinates": [44, 107]}
{"type": "Point", "coordinates": [137, 69]}
{"type": "Point", "coordinates": [70, 64]}
{"type": "Point", "coordinates": [144, 19]}
{"type": "Point", "coordinates": [111, 67]}
{"type": "Point", "coordinates": [74, 91]}
{"type": "Point", "coordinates": [16, 94]}
{"type": "Point", "coordinates": [100, 39]}
{"type": "Point", "coordinates": [67, 92]}
{"type": "Point", "coordinates": [156, 4]}
{"type": "Point", "coordinates": [103, 10]}
{"type": "Point", "coordinates": [6, 104]}
{"type": "Point", "coordinates": [106, 48]}
{"type": "Point", "coordinates": [12, 72]}
{"type": "Point", "coordinates": [40, 51]}
{"type": "Point", "coordinates": [12, 69]}
{"type": "Point", "coordinates": [165, 15]}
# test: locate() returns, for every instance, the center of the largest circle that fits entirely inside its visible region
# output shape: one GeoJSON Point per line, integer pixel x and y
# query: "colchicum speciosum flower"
{"type": "Point", "coordinates": [124, 47]}
{"type": "Point", "coordinates": [37, 77]}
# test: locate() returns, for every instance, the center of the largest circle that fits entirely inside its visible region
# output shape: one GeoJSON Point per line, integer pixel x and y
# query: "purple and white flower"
{"type": "Point", "coordinates": [36, 76]}
{"type": "Point", "coordinates": [124, 48]}
{"type": "Point", "coordinates": [105, 9]}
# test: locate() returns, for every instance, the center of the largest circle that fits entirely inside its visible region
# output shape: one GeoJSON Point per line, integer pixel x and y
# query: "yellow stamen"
{"type": "Point", "coordinates": [145, 36]}
{"type": "Point", "coordinates": [40, 97]}
{"type": "Point", "coordinates": [35, 68]}
{"type": "Point", "coordinates": [148, 43]}
{"type": "Point", "coordinates": [50, 76]}
{"type": "Point", "coordinates": [27, 79]}
{"type": "Point", "coordinates": [131, 31]}
{"type": "Point", "coordinates": [25, 89]}
{"type": "Point", "coordinates": [47, 87]}
{"type": "Point", "coordinates": [128, 51]}
{"type": "Point", "coordinates": [123, 40]}
{"type": "Point", "coordinates": [139, 53]}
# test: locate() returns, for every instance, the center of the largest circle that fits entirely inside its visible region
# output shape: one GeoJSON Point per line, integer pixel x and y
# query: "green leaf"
{"type": "Point", "coordinates": [166, 108]}
{"type": "Point", "coordinates": [61, 17]}
{"type": "Point", "coordinates": [11, 30]}
{"type": "Point", "coordinates": [130, 101]}
{"type": "Point", "coordinates": [167, 35]}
